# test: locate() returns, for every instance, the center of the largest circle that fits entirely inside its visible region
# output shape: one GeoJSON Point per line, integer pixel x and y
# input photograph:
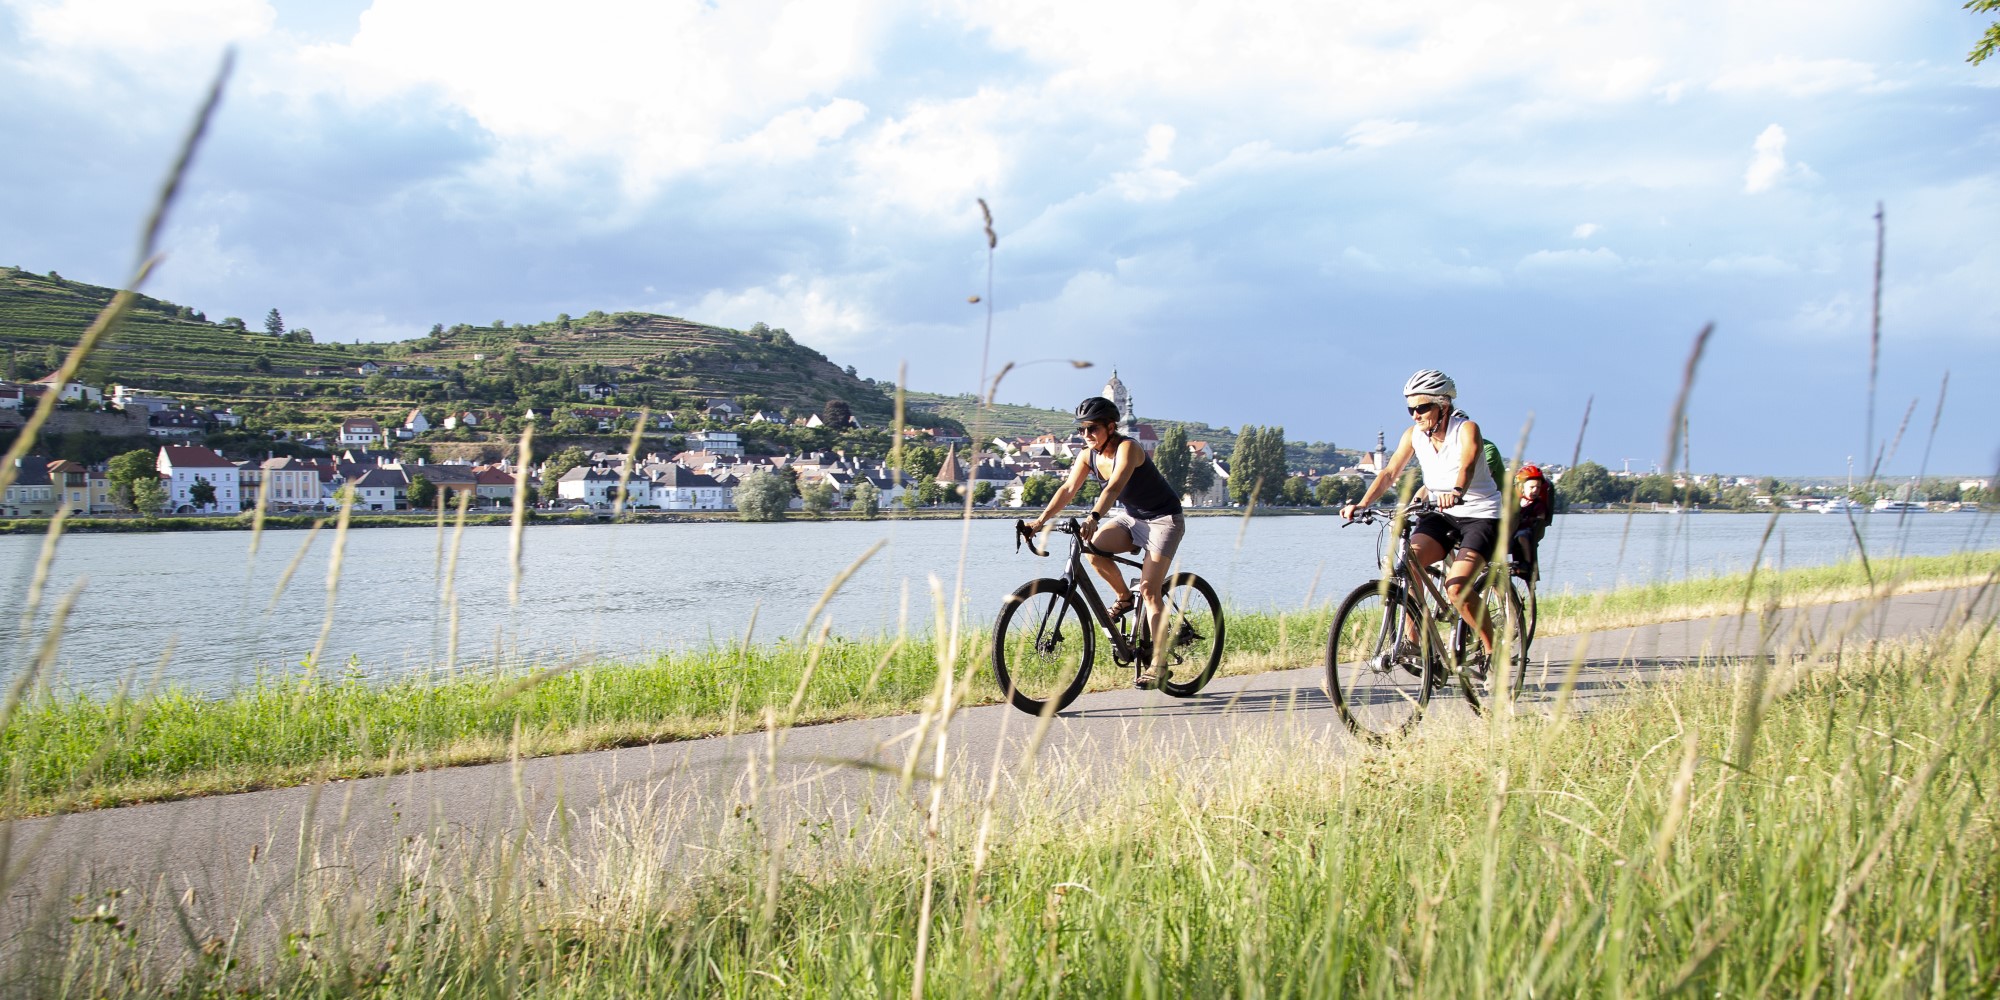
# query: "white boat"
{"type": "Point", "coordinates": [1840, 505]}
{"type": "Point", "coordinates": [1888, 506]}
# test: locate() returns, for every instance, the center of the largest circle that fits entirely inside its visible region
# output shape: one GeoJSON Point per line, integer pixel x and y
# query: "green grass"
{"type": "Point", "coordinates": [1837, 840]}
{"type": "Point", "coordinates": [69, 752]}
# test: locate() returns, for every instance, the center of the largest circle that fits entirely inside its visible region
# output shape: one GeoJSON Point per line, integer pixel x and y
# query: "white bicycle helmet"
{"type": "Point", "coordinates": [1431, 382]}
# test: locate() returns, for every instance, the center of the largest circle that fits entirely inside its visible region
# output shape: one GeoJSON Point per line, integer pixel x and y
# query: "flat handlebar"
{"type": "Point", "coordinates": [1370, 515]}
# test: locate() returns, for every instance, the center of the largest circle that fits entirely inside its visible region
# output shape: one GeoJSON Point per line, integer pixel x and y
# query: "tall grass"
{"type": "Point", "coordinates": [78, 751]}
{"type": "Point", "coordinates": [1622, 854]}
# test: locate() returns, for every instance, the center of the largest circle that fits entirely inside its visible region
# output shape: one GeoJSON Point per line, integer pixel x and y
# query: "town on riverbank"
{"type": "Point", "coordinates": [184, 474]}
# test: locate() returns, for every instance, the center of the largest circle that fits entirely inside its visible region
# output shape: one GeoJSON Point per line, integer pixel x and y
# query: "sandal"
{"type": "Point", "coordinates": [1122, 607]}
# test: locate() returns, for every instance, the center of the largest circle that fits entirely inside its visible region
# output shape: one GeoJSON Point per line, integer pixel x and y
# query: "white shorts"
{"type": "Point", "coordinates": [1158, 537]}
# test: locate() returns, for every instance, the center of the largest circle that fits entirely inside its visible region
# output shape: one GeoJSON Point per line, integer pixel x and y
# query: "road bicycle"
{"type": "Point", "coordinates": [1398, 640]}
{"type": "Point", "coordinates": [1045, 641]}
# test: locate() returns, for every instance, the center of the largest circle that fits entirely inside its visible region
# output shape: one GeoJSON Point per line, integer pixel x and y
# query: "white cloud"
{"type": "Point", "coordinates": [143, 27]}
{"type": "Point", "coordinates": [1159, 145]}
{"type": "Point", "coordinates": [1767, 161]}
{"type": "Point", "coordinates": [1795, 77]}
{"type": "Point", "coordinates": [816, 309]}
{"type": "Point", "coordinates": [1585, 230]}
{"type": "Point", "coordinates": [1757, 265]}
{"type": "Point", "coordinates": [1550, 261]}
{"type": "Point", "coordinates": [1380, 132]}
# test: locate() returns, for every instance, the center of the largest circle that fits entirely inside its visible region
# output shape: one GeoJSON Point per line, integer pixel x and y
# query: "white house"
{"type": "Point", "coordinates": [679, 488]}
{"type": "Point", "coordinates": [589, 485]}
{"type": "Point", "coordinates": [140, 401]}
{"type": "Point", "coordinates": [416, 422]}
{"type": "Point", "coordinates": [10, 397]}
{"type": "Point", "coordinates": [72, 392]}
{"type": "Point", "coordinates": [181, 467]}
{"type": "Point", "coordinates": [360, 432]}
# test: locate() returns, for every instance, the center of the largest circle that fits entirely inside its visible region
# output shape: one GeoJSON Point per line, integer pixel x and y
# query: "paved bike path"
{"type": "Point", "coordinates": [224, 853]}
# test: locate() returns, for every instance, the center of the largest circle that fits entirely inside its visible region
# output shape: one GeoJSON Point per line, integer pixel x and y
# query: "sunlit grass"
{"type": "Point", "coordinates": [1626, 853]}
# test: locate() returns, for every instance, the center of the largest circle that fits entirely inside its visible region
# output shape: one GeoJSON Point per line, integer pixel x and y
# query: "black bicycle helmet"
{"type": "Point", "coordinates": [1097, 409]}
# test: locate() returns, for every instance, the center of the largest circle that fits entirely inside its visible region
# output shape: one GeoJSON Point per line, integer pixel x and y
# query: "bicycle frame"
{"type": "Point", "coordinates": [1419, 583]}
{"type": "Point", "coordinates": [1077, 576]}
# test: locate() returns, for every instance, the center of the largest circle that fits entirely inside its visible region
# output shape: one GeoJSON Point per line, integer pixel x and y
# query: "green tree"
{"type": "Point", "coordinates": [422, 492]}
{"type": "Point", "coordinates": [1200, 477]}
{"type": "Point", "coordinates": [818, 498]}
{"type": "Point", "coordinates": [1589, 482]}
{"type": "Point", "coordinates": [836, 413]}
{"type": "Point", "coordinates": [1037, 489]}
{"type": "Point", "coordinates": [1172, 458]}
{"type": "Point", "coordinates": [1333, 491]}
{"type": "Point", "coordinates": [234, 323]}
{"type": "Point", "coordinates": [931, 493]}
{"type": "Point", "coordinates": [1257, 466]}
{"type": "Point", "coordinates": [866, 499]}
{"type": "Point", "coordinates": [790, 475]}
{"type": "Point", "coordinates": [557, 464]}
{"type": "Point", "coordinates": [762, 496]}
{"type": "Point", "coordinates": [274, 324]}
{"type": "Point", "coordinates": [147, 496]}
{"type": "Point", "coordinates": [202, 493]}
{"type": "Point", "coordinates": [1086, 495]}
{"type": "Point", "coordinates": [982, 494]}
{"type": "Point", "coordinates": [1989, 42]}
{"type": "Point", "coordinates": [921, 462]}
{"type": "Point", "coordinates": [261, 363]}
{"type": "Point", "coordinates": [912, 498]}
{"type": "Point", "coordinates": [128, 469]}
{"type": "Point", "coordinates": [1295, 492]}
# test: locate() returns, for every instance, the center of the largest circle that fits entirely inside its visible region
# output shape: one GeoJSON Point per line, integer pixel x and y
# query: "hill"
{"type": "Point", "coordinates": [288, 381]}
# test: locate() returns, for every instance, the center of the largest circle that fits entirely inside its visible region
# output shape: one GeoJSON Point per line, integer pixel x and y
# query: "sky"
{"type": "Point", "coordinates": [1258, 215]}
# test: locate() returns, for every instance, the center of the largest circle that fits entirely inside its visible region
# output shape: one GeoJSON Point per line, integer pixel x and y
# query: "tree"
{"type": "Point", "coordinates": [1990, 42]}
{"type": "Point", "coordinates": [422, 491]}
{"type": "Point", "coordinates": [129, 469]}
{"type": "Point", "coordinates": [1295, 492]}
{"type": "Point", "coordinates": [1172, 458]}
{"type": "Point", "coordinates": [921, 462]}
{"type": "Point", "coordinates": [557, 464]}
{"type": "Point", "coordinates": [1201, 477]}
{"type": "Point", "coordinates": [262, 363]}
{"type": "Point", "coordinates": [148, 496]}
{"type": "Point", "coordinates": [1038, 488]}
{"type": "Point", "coordinates": [1088, 493]}
{"type": "Point", "coordinates": [300, 336]}
{"type": "Point", "coordinates": [790, 475]}
{"type": "Point", "coordinates": [274, 324]}
{"type": "Point", "coordinates": [818, 498]}
{"type": "Point", "coordinates": [762, 496]}
{"type": "Point", "coordinates": [202, 493]}
{"type": "Point", "coordinates": [234, 323]}
{"type": "Point", "coordinates": [1257, 466]}
{"type": "Point", "coordinates": [1589, 482]}
{"type": "Point", "coordinates": [1333, 491]}
{"type": "Point", "coordinates": [836, 413]}
{"type": "Point", "coordinates": [932, 493]}
{"type": "Point", "coordinates": [982, 494]}
{"type": "Point", "coordinates": [866, 499]}
{"type": "Point", "coordinates": [912, 499]}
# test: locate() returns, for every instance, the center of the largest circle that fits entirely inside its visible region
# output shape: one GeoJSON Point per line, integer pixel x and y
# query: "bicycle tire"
{"type": "Point", "coordinates": [1524, 593]}
{"type": "Point", "coordinates": [1197, 628]}
{"type": "Point", "coordinates": [1378, 694]}
{"type": "Point", "coordinates": [1511, 668]}
{"type": "Point", "coordinates": [1043, 665]}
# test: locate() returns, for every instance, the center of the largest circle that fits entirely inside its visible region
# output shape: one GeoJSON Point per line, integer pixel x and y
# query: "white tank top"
{"type": "Point", "coordinates": [1441, 466]}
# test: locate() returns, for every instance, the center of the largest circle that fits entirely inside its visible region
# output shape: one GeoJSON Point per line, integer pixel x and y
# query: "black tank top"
{"type": "Point", "coordinates": [1146, 495]}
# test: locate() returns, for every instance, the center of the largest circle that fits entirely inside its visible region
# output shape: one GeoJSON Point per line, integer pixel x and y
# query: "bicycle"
{"type": "Point", "coordinates": [1044, 644]}
{"type": "Point", "coordinates": [1384, 654]}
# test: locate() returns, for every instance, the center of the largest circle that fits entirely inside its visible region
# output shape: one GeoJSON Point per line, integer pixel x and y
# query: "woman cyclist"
{"type": "Point", "coordinates": [1450, 452]}
{"type": "Point", "coordinates": [1151, 517]}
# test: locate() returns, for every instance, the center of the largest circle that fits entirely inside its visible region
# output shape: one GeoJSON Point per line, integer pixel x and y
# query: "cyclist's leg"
{"type": "Point", "coordinates": [1159, 538]}
{"type": "Point", "coordinates": [1461, 584]}
{"type": "Point", "coordinates": [1112, 537]}
{"type": "Point", "coordinates": [1429, 543]}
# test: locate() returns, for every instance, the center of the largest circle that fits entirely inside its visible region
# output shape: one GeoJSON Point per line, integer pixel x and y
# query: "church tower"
{"type": "Point", "coordinates": [1120, 397]}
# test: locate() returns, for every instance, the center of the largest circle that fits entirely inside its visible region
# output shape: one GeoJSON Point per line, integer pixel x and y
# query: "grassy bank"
{"type": "Point", "coordinates": [64, 753]}
{"type": "Point", "coordinates": [1822, 831]}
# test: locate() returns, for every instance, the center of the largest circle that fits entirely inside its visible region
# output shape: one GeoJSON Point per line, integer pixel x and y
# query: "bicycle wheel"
{"type": "Point", "coordinates": [1375, 673]}
{"type": "Point", "coordinates": [1042, 646]}
{"type": "Point", "coordinates": [1509, 666]}
{"type": "Point", "coordinates": [1193, 630]}
{"type": "Point", "coordinates": [1524, 594]}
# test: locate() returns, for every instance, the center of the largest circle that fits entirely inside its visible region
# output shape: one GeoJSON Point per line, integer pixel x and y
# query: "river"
{"type": "Point", "coordinates": [624, 590]}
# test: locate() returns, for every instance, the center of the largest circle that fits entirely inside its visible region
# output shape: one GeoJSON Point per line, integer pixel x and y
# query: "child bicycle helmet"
{"type": "Point", "coordinates": [1531, 472]}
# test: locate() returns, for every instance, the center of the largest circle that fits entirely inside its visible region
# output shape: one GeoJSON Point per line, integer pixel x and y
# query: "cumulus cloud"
{"type": "Point", "coordinates": [1570, 261]}
{"type": "Point", "coordinates": [1585, 230]}
{"type": "Point", "coordinates": [1767, 161]}
{"type": "Point", "coordinates": [817, 304]}
{"type": "Point", "coordinates": [1380, 132]}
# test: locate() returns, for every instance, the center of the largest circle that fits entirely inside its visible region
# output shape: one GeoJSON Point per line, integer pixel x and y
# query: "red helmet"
{"type": "Point", "coordinates": [1531, 472]}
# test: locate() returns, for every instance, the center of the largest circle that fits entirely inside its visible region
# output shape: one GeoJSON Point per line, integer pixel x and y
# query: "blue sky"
{"type": "Point", "coordinates": [1258, 218]}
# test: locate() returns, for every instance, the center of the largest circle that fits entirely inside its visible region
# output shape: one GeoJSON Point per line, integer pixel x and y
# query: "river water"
{"type": "Point", "coordinates": [624, 590]}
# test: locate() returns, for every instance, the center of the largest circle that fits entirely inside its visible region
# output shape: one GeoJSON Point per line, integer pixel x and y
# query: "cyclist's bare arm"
{"type": "Point", "coordinates": [1384, 477]}
{"type": "Point", "coordinates": [1064, 493]}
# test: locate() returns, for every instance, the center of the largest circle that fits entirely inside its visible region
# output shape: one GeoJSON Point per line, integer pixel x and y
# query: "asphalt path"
{"type": "Point", "coordinates": [224, 857]}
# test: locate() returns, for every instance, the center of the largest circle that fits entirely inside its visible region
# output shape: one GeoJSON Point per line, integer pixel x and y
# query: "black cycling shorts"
{"type": "Point", "coordinates": [1476, 534]}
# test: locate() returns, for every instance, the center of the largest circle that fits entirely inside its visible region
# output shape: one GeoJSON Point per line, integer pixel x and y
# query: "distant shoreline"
{"type": "Point", "coordinates": [293, 522]}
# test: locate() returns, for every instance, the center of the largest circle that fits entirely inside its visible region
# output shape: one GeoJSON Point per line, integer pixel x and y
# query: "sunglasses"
{"type": "Point", "coordinates": [1426, 408]}
{"type": "Point", "coordinates": [1089, 428]}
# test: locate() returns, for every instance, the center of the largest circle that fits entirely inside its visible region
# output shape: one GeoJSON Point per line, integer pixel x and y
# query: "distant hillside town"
{"type": "Point", "coordinates": [390, 467]}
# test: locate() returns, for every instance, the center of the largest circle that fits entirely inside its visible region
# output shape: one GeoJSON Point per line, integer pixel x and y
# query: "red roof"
{"type": "Point", "coordinates": [187, 457]}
